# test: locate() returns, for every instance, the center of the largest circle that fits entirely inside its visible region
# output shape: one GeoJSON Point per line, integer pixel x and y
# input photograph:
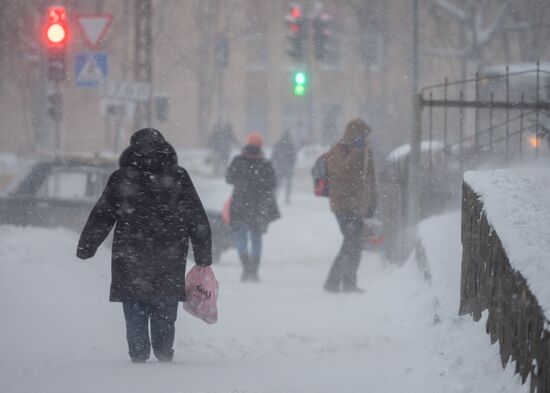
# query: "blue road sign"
{"type": "Point", "coordinates": [91, 69]}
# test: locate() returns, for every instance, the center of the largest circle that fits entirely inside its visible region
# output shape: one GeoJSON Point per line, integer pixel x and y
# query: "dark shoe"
{"type": "Point", "coordinates": [354, 289]}
{"type": "Point", "coordinates": [138, 360]}
{"type": "Point", "coordinates": [245, 261]}
{"type": "Point", "coordinates": [164, 356]}
{"type": "Point", "coordinates": [331, 288]}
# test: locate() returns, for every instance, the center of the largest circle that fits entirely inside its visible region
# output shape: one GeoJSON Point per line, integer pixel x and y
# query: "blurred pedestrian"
{"type": "Point", "coordinates": [253, 203]}
{"type": "Point", "coordinates": [156, 210]}
{"type": "Point", "coordinates": [221, 141]}
{"type": "Point", "coordinates": [352, 193]}
{"type": "Point", "coordinates": [283, 159]}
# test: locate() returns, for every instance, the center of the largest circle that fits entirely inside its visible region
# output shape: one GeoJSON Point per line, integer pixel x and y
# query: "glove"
{"type": "Point", "coordinates": [84, 253]}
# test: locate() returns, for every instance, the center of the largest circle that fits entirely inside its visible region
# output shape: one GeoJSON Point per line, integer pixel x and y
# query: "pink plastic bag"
{"type": "Point", "coordinates": [201, 288]}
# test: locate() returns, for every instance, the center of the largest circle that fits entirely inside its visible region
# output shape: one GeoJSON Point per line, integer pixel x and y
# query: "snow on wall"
{"type": "Point", "coordinates": [517, 203]}
{"type": "Point", "coordinates": [404, 150]}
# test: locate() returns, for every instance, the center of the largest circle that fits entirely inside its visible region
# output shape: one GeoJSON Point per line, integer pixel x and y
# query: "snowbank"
{"type": "Point", "coordinates": [463, 344]}
{"type": "Point", "coordinates": [517, 203]}
{"type": "Point", "coordinates": [440, 239]}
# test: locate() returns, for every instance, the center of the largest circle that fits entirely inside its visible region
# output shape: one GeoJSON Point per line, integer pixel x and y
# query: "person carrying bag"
{"type": "Point", "coordinates": [156, 211]}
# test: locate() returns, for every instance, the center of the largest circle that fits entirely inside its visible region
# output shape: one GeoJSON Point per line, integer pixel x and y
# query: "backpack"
{"type": "Point", "coordinates": [319, 173]}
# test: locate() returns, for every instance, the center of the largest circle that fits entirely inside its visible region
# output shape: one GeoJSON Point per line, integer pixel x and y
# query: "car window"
{"type": "Point", "coordinates": [72, 184]}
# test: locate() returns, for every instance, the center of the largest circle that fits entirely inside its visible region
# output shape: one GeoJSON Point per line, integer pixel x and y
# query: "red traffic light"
{"type": "Point", "coordinates": [295, 11]}
{"type": "Point", "coordinates": [56, 27]}
{"type": "Point", "coordinates": [56, 33]}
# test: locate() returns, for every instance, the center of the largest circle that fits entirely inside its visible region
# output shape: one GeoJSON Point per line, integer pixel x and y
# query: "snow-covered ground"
{"type": "Point", "coordinates": [284, 335]}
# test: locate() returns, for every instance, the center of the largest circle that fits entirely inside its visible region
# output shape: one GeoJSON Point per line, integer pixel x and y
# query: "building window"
{"type": "Point", "coordinates": [371, 48]}
{"type": "Point", "coordinates": [257, 51]}
{"type": "Point", "coordinates": [256, 116]}
{"type": "Point", "coordinates": [329, 123]}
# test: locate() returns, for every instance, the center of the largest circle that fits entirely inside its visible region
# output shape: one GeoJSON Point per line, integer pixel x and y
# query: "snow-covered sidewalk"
{"type": "Point", "coordinates": [285, 335]}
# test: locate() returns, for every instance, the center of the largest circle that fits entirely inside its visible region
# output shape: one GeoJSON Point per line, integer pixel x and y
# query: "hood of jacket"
{"type": "Point", "coordinates": [149, 152]}
{"type": "Point", "coordinates": [355, 134]}
{"type": "Point", "coordinates": [252, 151]}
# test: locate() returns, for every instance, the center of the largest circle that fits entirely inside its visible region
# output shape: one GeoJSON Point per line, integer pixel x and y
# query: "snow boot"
{"type": "Point", "coordinates": [254, 266]}
{"type": "Point", "coordinates": [353, 288]}
{"type": "Point", "coordinates": [331, 287]}
{"type": "Point", "coordinates": [245, 261]}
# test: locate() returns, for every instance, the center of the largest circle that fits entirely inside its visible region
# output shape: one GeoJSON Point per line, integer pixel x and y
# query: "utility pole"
{"type": "Point", "coordinates": [222, 59]}
{"type": "Point", "coordinates": [208, 24]}
{"type": "Point", "coordinates": [416, 130]}
{"type": "Point", "coordinates": [143, 67]}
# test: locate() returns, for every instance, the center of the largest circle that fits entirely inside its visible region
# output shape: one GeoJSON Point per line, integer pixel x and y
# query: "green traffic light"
{"type": "Point", "coordinates": [300, 82]}
{"type": "Point", "coordinates": [299, 90]}
{"type": "Point", "coordinates": [300, 78]}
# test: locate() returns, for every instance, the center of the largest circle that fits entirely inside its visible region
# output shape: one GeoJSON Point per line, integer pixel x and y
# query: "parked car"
{"type": "Point", "coordinates": [62, 193]}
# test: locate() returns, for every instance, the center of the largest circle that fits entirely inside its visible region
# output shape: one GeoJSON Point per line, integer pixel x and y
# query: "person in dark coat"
{"type": "Point", "coordinates": [284, 160]}
{"type": "Point", "coordinates": [155, 209]}
{"type": "Point", "coordinates": [352, 193]}
{"type": "Point", "coordinates": [253, 204]}
{"type": "Point", "coordinates": [221, 141]}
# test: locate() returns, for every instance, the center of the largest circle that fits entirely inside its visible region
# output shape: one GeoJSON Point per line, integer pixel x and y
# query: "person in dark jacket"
{"type": "Point", "coordinates": [221, 141]}
{"type": "Point", "coordinates": [253, 204]}
{"type": "Point", "coordinates": [155, 209]}
{"type": "Point", "coordinates": [352, 193]}
{"type": "Point", "coordinates": [284, 159]}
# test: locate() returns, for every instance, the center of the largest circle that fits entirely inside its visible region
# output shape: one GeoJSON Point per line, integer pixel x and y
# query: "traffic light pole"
{"type": "Point", "coordinates": [58, 110]}
{"type": "Point", "coordinates": [303, 47]}
{"type": "Point", "coordinates": [309, 93]}
{"type": "Point", "coordinates": [55, 33]}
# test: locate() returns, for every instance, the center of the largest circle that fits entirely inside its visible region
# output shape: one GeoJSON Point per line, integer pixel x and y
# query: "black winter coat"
{"type": "Point", "coordinates": [156, 210]}
{"type": "Point", "coordinates": [253, 201]}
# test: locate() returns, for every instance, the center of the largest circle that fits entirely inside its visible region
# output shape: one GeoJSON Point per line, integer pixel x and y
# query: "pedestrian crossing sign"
{"type": "Point", "coordinates": [91, 69]}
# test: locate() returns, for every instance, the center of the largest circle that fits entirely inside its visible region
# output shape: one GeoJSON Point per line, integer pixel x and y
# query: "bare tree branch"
{"type": "Point", "coordinates": [485, 35]}
{"type": "Point", "coordinates": [452, 9]}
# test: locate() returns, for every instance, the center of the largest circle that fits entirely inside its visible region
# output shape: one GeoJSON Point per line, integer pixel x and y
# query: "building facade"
{"type": "Point", "coordinates": [226, 61]}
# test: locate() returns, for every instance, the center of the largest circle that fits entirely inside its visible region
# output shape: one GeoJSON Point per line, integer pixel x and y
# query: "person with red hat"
{"type": "Point", "coordinates": [253, 203]}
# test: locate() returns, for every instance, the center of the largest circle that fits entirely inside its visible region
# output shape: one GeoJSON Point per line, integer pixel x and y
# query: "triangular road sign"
{"type": "Point", "coordinates": [94, 27]}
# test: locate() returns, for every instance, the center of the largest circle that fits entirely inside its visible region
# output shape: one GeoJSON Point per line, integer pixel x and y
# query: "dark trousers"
{"type": "Point", "coordinates": [343, 273]}
{"type": "Point", "coordinates": [162, 315]}
{"type": "Point", "coordinates": [286, 183]}
{"type": "Point", "coordinates": [250, 256]}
